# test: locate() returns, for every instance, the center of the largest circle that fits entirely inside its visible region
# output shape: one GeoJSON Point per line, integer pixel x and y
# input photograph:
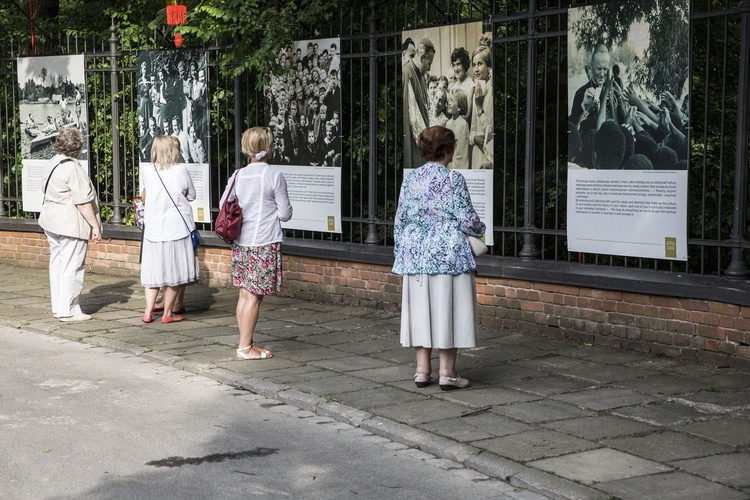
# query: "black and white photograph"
{"type": "Point", "coordinates": [447, 80]}
{"type": "Point", "coordinates": [53, 97]}
{"type": "Point", "coordinates": [303, 104]}
{"type": "Point", "coordinates": [628, 86]}
{"type": "Point", "coordinates": [173, 100]}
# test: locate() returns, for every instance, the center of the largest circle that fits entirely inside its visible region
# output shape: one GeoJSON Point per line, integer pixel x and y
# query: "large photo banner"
{"type": "Point", "coordinates": [628, 83]}
{"type": "Point", "coordinates": [173, 100]}
{"type": "Point", "coordinates": [303, 108]}
{"type": "Point", "coordinates": [53, 97]}
{"type": "Point", "coordinates": [447, 80]}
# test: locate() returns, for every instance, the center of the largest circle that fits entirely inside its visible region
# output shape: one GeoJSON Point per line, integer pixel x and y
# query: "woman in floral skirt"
{"type": "Point", "coordinates": [256, 254]}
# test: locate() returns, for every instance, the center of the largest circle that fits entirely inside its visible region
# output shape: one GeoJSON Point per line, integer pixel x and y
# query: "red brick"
{"type": "Point", "coordinates": [720, 308]}
{"type": "Point", "coordinates": [711, 332]}
{"type": "Point", "coordinates": [694, 305]}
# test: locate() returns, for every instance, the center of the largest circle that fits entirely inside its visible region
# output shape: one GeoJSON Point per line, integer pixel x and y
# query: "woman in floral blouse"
{"type": "Point", "coordinates": [433, 219]}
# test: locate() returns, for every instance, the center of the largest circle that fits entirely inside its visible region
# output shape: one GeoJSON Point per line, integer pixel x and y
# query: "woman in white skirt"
{"type": "Point", "coordinates": [169, 259]}
{"type": "Point", "coordinates": [432, 253]}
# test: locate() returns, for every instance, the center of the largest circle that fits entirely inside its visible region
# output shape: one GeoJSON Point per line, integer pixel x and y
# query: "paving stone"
{"type": "Point", "coordinates": [420, 412]}
{"type": "Point", "coordinates": [598, 427]}
{"type": "Point", "coordinates": [601, 355]}
{"type": "Point", "coordinates": [295, 373]}
{"type": "Point", "coordinates": [444, 464]}
{"type": "Point", "coordinates": [350, 363]}
{"type": "Point", "coordinates": [733, 431]}
{"type": "Point", "coordinates": [667, 446]}
{"type": "Point", "coordinates": [319, 420]}
{"type": "Point", "coordinates": [337, 338]}
{"type": "Point", "coordinates": [498, 374]}
{"type": "Point", "coordinates": [663, 414]}
{"type": "Point", "coordinates": [605, 398]}
{"type": "Point", "coordinates": [728, 380]}
{"type": "Point", "coordinates": [717, 402]}
{"type": "Point", "coordinates": [560, 364]}
{"type": "Point", "coordinates": [597, 466]}
{"type": "Point", "coordinates": [549, 385]}
{"type": "Point", "coordinates": [534, 445]}
{"type": "Point", "coordinates": [470, 474]}
{"type": "Point", "coordinates": [390, 373]}
{"type": "Point", "coordinates": [314, 354]}
{"type": "Point", "coordinates": [505, 352]}
{"type": "Point", "coordinates": [419, 455]}
{"type": "Point", "coordinates": [541, 411]}
{"type": "Point", "coordinates": [378, 396]}
{"type": "Point", "coordinates": [732, 469]}
{"type": "Point", "coordinates": [392, 445]}
{"type": "Point", "coordinates": [476, 427]}
{"type": "Point", "coordinates": [670, 486]}
{"type": "Point", "coordinates": [488, 397]}
{"type": "Point", "coordinates": [607, 374]}
{"type": "Point", "coordinates": [369, 347]}
{"type": "Point", "coordinates": [334, 385]}
{"type": "Point", "coordinates": [664, 384]}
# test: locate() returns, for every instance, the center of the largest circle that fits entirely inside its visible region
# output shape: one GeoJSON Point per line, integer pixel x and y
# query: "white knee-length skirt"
{"type": "Point", "coordinates": [439, 310]}
{"type": "Point", "coordinates": [168, 263]}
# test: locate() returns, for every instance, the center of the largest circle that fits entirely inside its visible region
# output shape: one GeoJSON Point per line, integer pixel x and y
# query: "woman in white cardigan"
{"type": "Point", "coordinates": [256, 254]}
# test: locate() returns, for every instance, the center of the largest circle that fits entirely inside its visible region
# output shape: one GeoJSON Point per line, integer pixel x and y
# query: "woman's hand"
{"type": "Point", "coordinates": [96, 234]}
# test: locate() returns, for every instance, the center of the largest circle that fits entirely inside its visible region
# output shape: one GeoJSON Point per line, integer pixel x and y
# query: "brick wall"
{"type": "Point", "coordinates": [710, 332]}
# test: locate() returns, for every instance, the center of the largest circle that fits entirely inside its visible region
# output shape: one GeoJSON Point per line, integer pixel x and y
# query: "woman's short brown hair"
{"type": "Point", "coordinates": [436, 143]}
{"type": "Point", "coordinates": [69, 142]}
{"type": "Point", "coordinates": [257, 139]}
{"type": "Point", "coordinates": [165, 151]}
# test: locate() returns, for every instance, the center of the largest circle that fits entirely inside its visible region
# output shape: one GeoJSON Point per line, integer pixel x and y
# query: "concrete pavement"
{"type": "Point", "coordinates": [558, 419]}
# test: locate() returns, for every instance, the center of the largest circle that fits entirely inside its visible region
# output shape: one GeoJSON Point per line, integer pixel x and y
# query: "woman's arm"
{"type": "Point", "coordinates": [283, 205]}
{"type": "Point", "coordinates": [468, 218]}
{"type": "Point", "coordinates": [88, 213]}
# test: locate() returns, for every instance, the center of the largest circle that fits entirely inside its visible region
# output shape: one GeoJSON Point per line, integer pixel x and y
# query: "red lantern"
{"type": "Point", "coordinates": [178, 40]}
{"type": "Point", "coordinates": [176, 10]}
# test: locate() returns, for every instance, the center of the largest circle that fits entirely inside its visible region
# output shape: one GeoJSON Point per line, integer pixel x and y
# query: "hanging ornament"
{"type": "Point", "coordinates": [178, 40]}
{"type": "Point", "coordinates": [176, 10]}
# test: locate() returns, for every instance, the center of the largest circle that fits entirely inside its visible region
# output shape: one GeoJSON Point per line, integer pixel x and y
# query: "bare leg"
{"type": "Point", "coordinates": [423, 360]}
{"type": "Point", "coordinates": [170, 293]}
{"type": "Point", "coordinates": [178, 301]}
{"type": "Point", "coordinates": [248, 309]}
{"type": "Point", "coordinates": [151, 294]}
{"type": "Point", "coordinates": [448, 362]}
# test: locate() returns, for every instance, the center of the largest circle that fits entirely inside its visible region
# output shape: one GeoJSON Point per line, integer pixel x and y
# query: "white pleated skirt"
{"type": "Point", "coordinates": [168, 263]}
{"type": "Point", "coordinates": [439, 310]}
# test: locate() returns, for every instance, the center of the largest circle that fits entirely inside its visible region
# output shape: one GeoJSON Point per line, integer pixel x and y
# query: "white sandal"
{"type": "Point", "coordinates": [242, 355]}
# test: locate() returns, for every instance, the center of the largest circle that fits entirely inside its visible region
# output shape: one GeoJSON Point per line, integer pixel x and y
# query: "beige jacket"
{"type": "Point", "coordinates": [69, 185]}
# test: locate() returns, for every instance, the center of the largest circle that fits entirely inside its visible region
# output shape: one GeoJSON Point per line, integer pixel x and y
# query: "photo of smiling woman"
{"type": "Point", "coordinates": [452, 87]}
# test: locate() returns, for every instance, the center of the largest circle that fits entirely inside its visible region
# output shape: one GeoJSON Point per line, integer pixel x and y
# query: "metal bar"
{"type": "Point", "coordinates": [738, 267]}
{"type": "Point", "coordinates": [530, 250]}
{"type": "Point", "coordinates": [372, 188]}
{"type": "Point", "coordinates": [116, 216]}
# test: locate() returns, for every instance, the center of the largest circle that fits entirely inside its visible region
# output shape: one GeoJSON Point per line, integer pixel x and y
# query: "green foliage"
{"type": "Point", "coordinates": [254, 31]}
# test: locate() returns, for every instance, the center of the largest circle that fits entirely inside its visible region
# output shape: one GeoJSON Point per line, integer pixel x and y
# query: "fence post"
{"type": "Point", "coordinates": [116, 216]}
{"type": "Point", "coordinates": [529, 250]}
{"type": "Point", "coordinates": [738, 267]}
{"type": "Point", "coordinates": [2, 184]}
{"type": "Point", "coordinates": [372, 190]}
{"type": "Point", "coordinates": [238, 126]}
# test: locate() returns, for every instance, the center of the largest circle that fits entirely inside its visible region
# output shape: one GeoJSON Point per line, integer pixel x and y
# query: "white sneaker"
{"type": "Point", "coordinates": [76, 317]}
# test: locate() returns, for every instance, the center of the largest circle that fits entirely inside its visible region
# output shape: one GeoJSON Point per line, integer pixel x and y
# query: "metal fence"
{"type": "Point", "coordinates": [530, 60]}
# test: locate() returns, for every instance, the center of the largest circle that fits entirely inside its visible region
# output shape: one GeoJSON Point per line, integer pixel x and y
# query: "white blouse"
{"type": "Point", "coordinates": [262, 193]}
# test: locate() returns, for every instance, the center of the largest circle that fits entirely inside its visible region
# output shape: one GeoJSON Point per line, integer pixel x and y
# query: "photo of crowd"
{"type": "Point", "coordinates": [447, 80]}
{"type": "Point", "coordinates": [621, 114]}
{"type": "Point", "coordinates": [303, 104]}
{"type": "Point", "coordinates": [173, 100]}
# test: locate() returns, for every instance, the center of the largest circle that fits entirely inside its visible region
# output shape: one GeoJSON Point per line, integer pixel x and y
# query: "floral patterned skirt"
{"type": "Point", "coordinates": [257, 269]}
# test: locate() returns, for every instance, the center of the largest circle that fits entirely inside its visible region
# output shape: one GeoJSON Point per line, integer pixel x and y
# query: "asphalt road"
{"type": "Point", "coordinates": [83, 422]}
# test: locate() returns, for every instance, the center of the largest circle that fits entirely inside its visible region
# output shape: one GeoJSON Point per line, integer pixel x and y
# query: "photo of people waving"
{"type": "Point", "coordinates": [303, 104]}
{"type": "Point", "coordinates": [173, 100]}
{"type": "Point", "coordinates": [447, 80]}
{"type": "Point", "coordinates": [628, 87]}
